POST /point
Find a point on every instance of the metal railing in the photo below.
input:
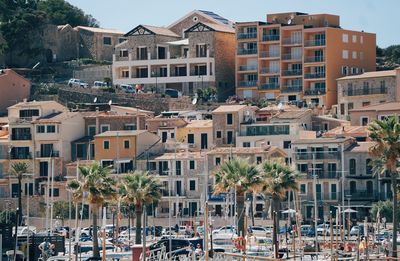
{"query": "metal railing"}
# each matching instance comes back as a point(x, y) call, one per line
point(314, 75)
point(292, 72)
point(366, 91)
point(247, 68)
point(292, 41)
point(270, 37)
point(266, 70)
point(266, 54)
point(19, 156)
point(246, 51)
point(315, 92)
point(26, 136)
point(292, 88)
point(289, 56)
point(320, 42)
point(314, 59)
point(247, 83)
point(47, 154)
point(269, 86)
point(317, 155)
point(247, 35)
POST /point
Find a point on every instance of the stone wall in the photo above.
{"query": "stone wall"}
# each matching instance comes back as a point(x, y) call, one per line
point(93, 73)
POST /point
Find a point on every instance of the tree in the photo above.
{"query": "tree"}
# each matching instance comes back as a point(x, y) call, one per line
point(97, 188)
point(385, 209)
point(240, 176)
point(386, 151)
point(19, 169)
point(277, 180)
point(140, 189)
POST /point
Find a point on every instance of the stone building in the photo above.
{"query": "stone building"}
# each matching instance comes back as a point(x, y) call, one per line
point(193, 53)
point(13, 88)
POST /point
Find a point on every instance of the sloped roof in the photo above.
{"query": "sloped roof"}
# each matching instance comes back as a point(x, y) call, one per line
point(229, 108)
point(370, 75)
point(121, 133)
point(294, 114)
point(56, 117)
point(242, 150)
point(150, 29)
point(350, 131)
point(200, 124)
point(207, 14)
point(361, 146)
point(212, 27)
point(99, 30)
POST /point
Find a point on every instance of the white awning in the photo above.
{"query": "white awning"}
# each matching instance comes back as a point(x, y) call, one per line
point(180, 42)
point(123, 161)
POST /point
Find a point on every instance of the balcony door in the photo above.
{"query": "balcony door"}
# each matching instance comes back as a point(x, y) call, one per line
point(46, 150)
point(204, 141)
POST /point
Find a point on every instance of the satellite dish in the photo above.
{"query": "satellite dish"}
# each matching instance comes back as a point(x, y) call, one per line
point(279, 106)
point(194, 101)
point(289, 21)
point(110, 102)
point(95, 99)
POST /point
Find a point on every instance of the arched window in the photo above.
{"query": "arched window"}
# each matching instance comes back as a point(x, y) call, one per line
point(353, 187)
point(368, 166)
point(370, 187)
point(352, 166)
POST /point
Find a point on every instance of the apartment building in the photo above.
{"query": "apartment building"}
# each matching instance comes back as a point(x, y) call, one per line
point(13, 88)
point(370, 88)
point(297, 57)
point(365, 115)
point(198, 134)
point(182, 174)
point(195, 52)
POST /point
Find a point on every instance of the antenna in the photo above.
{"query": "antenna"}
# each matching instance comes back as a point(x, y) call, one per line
point(194, 101)
point(110, 102)
point(95, 99)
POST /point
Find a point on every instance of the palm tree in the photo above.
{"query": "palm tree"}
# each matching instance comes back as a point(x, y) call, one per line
point(96, 188)
point(386, 150)
point(237, 174)
point(19, 169)
point(278, 179)
point(140, 189)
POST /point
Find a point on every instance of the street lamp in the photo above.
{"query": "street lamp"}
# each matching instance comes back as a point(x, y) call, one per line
point(348, 221)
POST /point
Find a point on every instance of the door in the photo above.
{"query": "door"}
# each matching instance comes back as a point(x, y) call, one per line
point(192, 208)
point(44, 168)
point(353, 187)
point(204, 141)
point(46, 150)
point(164, 136)
point(178, 187)
point(229, 135)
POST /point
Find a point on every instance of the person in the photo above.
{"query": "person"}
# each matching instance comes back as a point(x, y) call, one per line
point(385, 244)
point(46, 248)
point(198, 250)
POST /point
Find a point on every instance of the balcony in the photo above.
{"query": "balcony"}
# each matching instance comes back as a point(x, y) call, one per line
point(335, 155)
point(47, 154)
point(292, 88)
point(289, 56)
point(310, 43)
point(361, 195)
point(292, 41)
point(247, 84)
point(265, 54)
point(365, 91)
point(315, 92)
point(292, 72)
point(217, 198)
point(246, 51)
point(20, 156)
point(266, 130)
point(267, 70)
point(314, 59)
point(314, 75)
point(247, 68)
point(269, 86)
point(26, 136)
point(321, 174)
point(270, 37)
point(247, 36)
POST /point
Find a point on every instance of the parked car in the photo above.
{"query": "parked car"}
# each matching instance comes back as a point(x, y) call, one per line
point(304, 229)
point(258, 231)
point(357, 230)
point(173, 93)
point(176, 244)
point(77, 83)
point(99, 84)
point(127, 88)
point(322, 229)
point(224, 230)
point(311, 232)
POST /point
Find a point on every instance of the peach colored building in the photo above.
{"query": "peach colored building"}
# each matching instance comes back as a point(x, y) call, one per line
point(297, 57)
point(365, 115)
point(10, 80)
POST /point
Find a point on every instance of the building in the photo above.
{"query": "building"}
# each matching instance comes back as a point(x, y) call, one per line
point(13, 88)
point(365, 115)
point(198, 134)
point(297, 57)
point(227, 120)
point(165, 127)
point(370, 88)
point(195, 52)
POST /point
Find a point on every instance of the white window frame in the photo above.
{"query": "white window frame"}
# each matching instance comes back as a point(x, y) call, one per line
point(129, 143)
point(101, 127)
point(300, 188)
point(107, 36)
point(88, 129)
point(345, 54)
point(354, 38)
point(345, 38)
point(361, 39)
point(361, 119)
point(354, 55)
point(101, 161)
point(109, 145)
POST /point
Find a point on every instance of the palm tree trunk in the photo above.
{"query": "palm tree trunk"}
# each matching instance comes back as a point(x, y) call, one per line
point(394, 242)
point(19, 200)
point(240, 213)
point(275, 212)
point(96, 251)
point(139, 212)
point(266, 208)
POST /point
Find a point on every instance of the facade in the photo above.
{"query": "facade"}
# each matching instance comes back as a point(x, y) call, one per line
point(165, 127)
point(13, 88)
point(371, 88)
point(365, 115)
point(198, 134)
point(297, 57)
point(193, 53)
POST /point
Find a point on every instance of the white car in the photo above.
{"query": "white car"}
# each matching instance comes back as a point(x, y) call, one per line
point(259, 231)
point(224, 230)
point(127, 88)
point(77, 83)
point(322, 229)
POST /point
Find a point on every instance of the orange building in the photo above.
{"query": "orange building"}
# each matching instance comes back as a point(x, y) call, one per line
point(297, 57)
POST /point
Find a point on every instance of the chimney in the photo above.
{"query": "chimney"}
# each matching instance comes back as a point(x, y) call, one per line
point(97, 121)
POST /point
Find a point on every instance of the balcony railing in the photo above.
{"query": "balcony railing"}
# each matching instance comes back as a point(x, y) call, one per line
point(366, 91)
point(246, 51)
point(247, 35)
point(292, 88)
point(26, 136)
point(315, 92)
point(21, 156)
point(47, 154)
point(320, 42)
point(270, 37)
point(292, 72)
point(267, 70)
point(247, 68)
point(314, 75)
point(246, 84)
point(292, 41)
point(265, 54)
point(269, 86)
point(318, 155)
point(289, 56)
point(361, 195)
point(314, 59)
point(322, 174)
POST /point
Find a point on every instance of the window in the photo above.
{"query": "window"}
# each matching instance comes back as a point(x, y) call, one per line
point(192, 185)
point(123, 53)
point(354, 38)
point(106, 163)
point(217, 161)
point(361, 39)
point(345, 70)
point(350, 106)
point(107, 40)
point(333, 192)
point(106, 144)
point(229, 138)
point(345, 38)
point(141, 53)
point(126, 144)
point(303, 189)
point(352, 166)
point(125, 74)
point(191, 138)
point(120, 40)
point(259, 159)
point(192, 164)
point(91, 130)
point(172, 135)
point(178, 167)
point(51, 128)
point(201, 50)
point(130, 126)
point(354, 55)
point(40, 129)
point(287, 144)
point(219, 134)
point(367, 103)
point(368, 166)
point(246, 144)
point(56, 192)
point(345, 54)
point(105, 128)
point(229, 119)
point(302, 168)
point(364, 121)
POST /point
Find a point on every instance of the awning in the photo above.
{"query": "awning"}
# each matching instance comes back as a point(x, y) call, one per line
point(180, 42)
point(123, 161)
